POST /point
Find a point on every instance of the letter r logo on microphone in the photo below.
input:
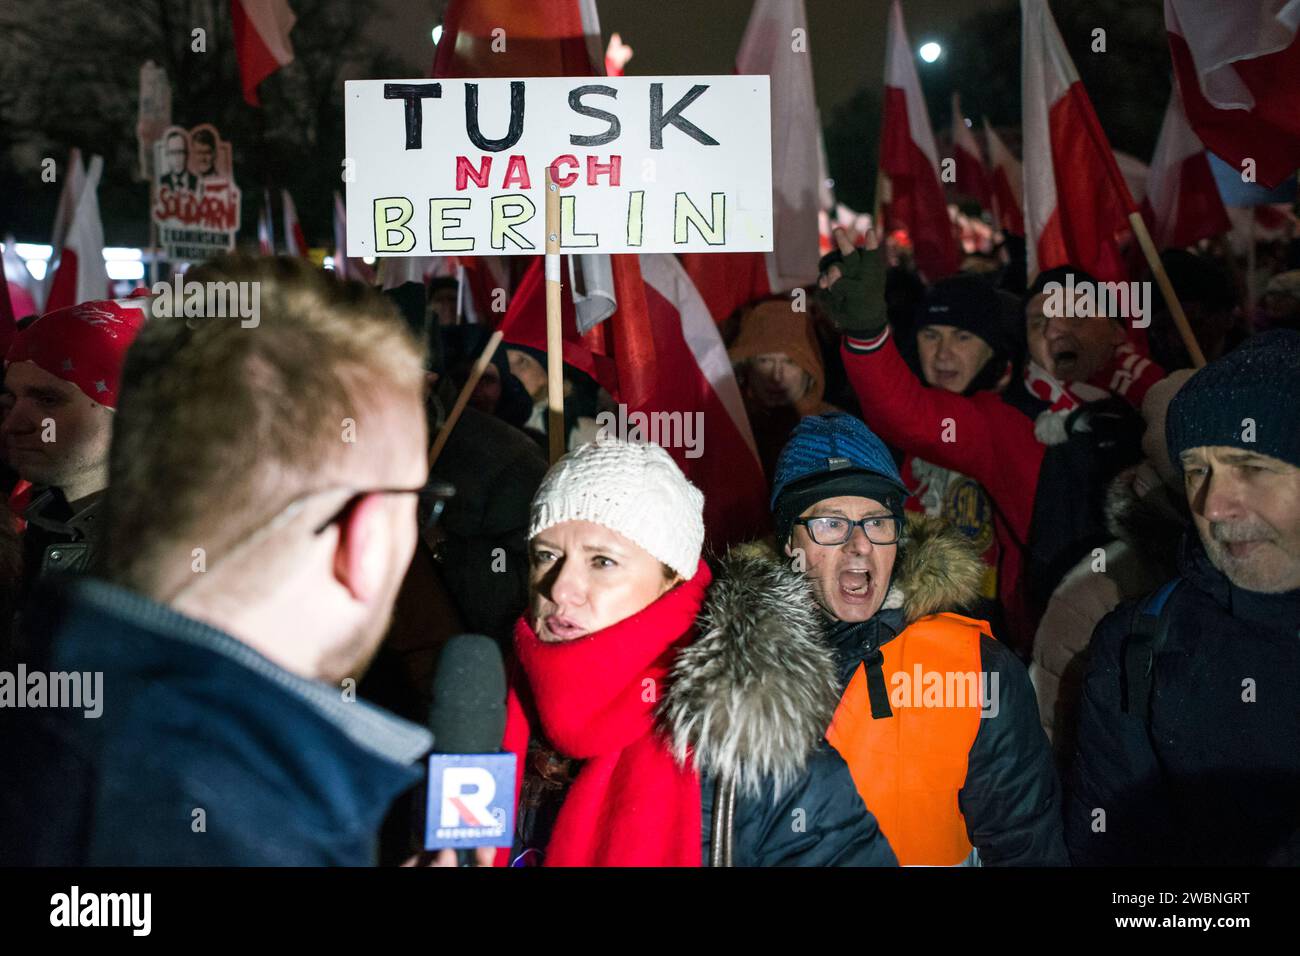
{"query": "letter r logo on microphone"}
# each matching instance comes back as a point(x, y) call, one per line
point(467, 794)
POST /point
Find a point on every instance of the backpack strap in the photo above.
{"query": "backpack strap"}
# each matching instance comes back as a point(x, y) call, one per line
point(1147, 632)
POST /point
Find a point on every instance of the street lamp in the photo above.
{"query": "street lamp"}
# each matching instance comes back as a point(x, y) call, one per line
point(929, 52)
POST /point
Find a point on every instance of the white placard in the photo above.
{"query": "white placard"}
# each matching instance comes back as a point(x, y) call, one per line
point(645, 164)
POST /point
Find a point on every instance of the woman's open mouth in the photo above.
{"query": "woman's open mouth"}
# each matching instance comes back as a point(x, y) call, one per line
point(562, 627)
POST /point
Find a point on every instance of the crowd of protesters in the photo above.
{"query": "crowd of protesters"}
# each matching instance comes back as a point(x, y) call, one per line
point(1055, 513)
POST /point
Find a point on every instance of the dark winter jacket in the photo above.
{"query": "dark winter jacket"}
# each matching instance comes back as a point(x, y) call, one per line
point(750, 699)
point(204, 752)
point(1011, 799)
point(1213, 776)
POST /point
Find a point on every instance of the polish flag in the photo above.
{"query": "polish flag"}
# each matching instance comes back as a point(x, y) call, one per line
point(265, 230)
point(511, 39)
point(912, 196)
point(1181, 193)
point(1006, 184)
point(661, 352)
point(972, 178)
point(1238, 69)
point(1076, 202)
point(79, 273)
point(776, 44)
point(74, 179)
point(262, 44)
point(344, 267)
point(730, 280)
point(295, 243)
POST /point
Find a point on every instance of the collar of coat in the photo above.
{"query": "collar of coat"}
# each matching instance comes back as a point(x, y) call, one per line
point(753, 694)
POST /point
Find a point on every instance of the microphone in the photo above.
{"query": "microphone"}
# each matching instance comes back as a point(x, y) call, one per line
point(471, 791)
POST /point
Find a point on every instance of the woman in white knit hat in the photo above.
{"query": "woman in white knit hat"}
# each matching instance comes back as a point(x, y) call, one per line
point(670, 700)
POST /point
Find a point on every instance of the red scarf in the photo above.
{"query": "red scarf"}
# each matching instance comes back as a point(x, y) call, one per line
point(594, 699)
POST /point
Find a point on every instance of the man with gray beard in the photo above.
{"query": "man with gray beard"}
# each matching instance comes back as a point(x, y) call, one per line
point(1189, 734)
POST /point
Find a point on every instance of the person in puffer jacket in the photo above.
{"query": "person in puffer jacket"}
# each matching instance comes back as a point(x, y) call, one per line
point(937, 718)
point(695, 703)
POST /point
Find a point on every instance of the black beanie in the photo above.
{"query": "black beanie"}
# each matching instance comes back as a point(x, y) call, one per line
point(1246, 399)
point(970, 303)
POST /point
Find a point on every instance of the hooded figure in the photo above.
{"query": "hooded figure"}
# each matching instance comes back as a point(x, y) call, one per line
point(696, 704)
point(780, 372)
point(936, 719)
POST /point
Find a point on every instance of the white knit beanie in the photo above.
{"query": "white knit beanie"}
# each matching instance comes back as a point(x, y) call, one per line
point(632, 488)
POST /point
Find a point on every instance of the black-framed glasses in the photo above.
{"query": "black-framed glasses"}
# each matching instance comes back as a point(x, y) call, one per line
point(832, 530)
point(432, 500)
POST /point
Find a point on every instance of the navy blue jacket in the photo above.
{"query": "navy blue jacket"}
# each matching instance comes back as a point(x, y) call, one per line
point(1214, 776)
point(205, 753)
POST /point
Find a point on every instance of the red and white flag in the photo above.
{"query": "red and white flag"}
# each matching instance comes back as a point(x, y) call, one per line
point(344, 267)
point(265, 229)
point(912, 197)
point(1076, 202)
point(1181, 192)
point(262, 43)
point(972, 178)
point(295, 243)
point(79, 272)
point(1238, 69)
point(1006, 184)
point(776, 44)
point(510, 38)
point(661, 355)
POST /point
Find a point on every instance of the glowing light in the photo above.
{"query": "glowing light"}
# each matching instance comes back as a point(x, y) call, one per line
point(930, 52)
point(437, 34)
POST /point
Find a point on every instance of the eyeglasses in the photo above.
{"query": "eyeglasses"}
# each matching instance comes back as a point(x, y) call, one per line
point(830, 531)
point(432, 500)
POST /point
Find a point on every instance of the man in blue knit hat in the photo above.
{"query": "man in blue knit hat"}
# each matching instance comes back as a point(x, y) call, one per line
point(937, 719)
point(1189, 729)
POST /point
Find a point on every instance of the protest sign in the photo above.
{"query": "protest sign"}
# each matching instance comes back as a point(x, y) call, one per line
point(196, 201)
point(644, 164)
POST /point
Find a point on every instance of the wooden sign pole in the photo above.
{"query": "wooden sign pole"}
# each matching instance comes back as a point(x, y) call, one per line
point(554, 342)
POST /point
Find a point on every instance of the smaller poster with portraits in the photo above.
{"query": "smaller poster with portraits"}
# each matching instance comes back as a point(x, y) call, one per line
point(196, 201)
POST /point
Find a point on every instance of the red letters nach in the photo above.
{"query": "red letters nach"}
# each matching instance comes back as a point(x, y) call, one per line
point(516, 173)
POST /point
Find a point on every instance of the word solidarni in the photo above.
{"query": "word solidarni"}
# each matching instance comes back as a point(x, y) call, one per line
point(665, 429)
point(103, 909)
point(208, 300)
point(72, 689)
point(1089, 300)
point(923, 688)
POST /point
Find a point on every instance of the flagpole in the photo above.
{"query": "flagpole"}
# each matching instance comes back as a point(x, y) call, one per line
point(1167, 289)
point(462, 399)
point(554, 342)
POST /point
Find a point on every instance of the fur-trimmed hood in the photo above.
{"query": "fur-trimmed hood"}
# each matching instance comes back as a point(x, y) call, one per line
point(753, 694)
point(756, 690)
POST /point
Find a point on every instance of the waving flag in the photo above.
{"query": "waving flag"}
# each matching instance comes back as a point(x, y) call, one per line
point(1238, 69)
point(912, 197)
point(972, 178)
point(1006, 184)
point(295, 243)
point(1181, 192)
point(262, 44)
point(661, 355)
point(1076, 202)
point(79, 273)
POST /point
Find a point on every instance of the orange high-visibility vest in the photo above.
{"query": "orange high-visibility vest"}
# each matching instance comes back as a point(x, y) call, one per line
point(909, 767)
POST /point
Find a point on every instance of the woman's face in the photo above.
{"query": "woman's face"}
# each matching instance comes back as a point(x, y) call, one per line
point(584, 577)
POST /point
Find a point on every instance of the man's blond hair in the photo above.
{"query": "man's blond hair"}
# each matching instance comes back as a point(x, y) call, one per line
point(219, 426)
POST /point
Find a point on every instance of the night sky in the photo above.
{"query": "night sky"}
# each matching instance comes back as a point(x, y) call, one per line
point(847, 39)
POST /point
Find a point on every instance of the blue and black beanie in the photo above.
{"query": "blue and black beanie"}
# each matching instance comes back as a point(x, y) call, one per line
point(828, 456)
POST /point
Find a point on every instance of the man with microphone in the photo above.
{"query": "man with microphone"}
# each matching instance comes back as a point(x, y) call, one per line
point(261, 514)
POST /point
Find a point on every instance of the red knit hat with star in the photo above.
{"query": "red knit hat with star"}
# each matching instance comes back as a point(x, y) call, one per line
point(83, 344)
